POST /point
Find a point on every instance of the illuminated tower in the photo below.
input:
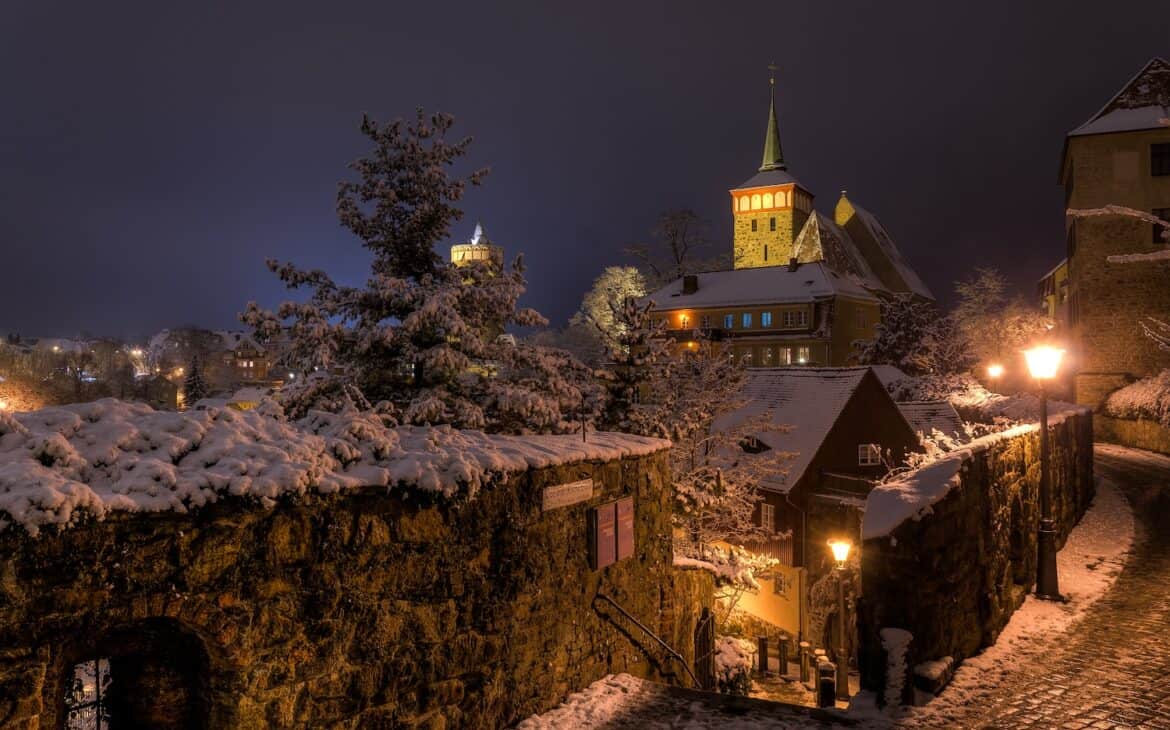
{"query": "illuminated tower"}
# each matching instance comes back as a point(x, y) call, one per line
point(479, 248)
point(769, 209)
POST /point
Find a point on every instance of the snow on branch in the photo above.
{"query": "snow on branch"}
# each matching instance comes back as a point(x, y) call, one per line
point(1141, 215)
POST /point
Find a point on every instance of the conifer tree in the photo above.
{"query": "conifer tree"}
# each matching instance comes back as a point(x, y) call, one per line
point(194, 386)
point(421, 337)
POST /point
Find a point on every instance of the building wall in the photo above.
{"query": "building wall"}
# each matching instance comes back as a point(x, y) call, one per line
point(1108, 301)
point(355, 610)
point(764, 246)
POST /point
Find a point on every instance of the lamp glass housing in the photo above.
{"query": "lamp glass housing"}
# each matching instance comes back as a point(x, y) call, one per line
point(1043, 361)
point(840, 550)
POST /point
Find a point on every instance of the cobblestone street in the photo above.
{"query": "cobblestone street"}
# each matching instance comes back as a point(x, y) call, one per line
point(1112, 671)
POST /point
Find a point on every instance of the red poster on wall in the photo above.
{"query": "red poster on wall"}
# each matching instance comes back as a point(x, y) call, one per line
point(625, 528)
point(602, 535)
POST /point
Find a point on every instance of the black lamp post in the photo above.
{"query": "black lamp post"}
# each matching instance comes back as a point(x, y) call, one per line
point(840, 550)
point(1043, 362)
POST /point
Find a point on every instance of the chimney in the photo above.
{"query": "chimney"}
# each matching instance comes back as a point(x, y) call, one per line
point(793, 264)
point(690, 284)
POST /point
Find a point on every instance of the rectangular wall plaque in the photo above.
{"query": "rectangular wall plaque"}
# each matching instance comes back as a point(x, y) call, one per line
point(625, 528)
point(602, 535)
point(563, 495)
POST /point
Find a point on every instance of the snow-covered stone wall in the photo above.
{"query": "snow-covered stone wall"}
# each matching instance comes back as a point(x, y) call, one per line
point(326, 603)
point(950, 550)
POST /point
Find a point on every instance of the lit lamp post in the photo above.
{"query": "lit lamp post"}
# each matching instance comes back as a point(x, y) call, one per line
point(1043, 362)
point(840, 550)
point(995, 371)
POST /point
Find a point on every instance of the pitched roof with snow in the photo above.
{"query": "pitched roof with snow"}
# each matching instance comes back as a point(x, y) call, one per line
point(757, 286)
point(807, 400)
point(820, 239)
point(928, 416)
point(891, 252)
point(1143, 103)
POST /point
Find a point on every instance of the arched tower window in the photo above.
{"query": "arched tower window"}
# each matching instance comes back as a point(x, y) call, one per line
point(756, 201)
point(767, 200)
point(745, 203)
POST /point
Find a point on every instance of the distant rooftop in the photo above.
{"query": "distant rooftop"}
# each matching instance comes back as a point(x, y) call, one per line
point(762, 285)
point(1143, 103)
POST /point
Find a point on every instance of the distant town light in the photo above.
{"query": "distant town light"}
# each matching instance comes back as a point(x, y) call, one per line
point(56, 348)
point(136, 352)
point(995, 370)
point(292, 376)
point(840, 548)
point(1043, 361)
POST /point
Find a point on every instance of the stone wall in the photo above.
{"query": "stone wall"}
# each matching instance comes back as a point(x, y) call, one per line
point(364, 609)
point(953, 578)
point(1138, 433)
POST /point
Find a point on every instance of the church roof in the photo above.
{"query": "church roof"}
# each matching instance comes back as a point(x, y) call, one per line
point(766, 178)
point(759, 286)
point(820, 239)
point(891, 253)
point(773, 153)
point(1143, 103)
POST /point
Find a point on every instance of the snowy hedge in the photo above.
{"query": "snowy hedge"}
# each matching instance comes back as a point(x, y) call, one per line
point(1147, 398)
point(92, 458)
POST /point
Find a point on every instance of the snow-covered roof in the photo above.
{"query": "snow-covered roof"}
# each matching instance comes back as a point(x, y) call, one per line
point(1143, 103)
point(925, 417)
point(767, 178)
point(762, 285)
point(806, 400)
point(891, 252)
point(105, 456)
point(822, 239)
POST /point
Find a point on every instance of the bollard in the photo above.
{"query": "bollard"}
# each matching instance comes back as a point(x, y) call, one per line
point(826, 684)
point(762, 650)
point(805, 652)
point(783, 647)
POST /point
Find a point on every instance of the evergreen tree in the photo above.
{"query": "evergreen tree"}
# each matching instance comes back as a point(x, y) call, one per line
point(902, 338)
point(194, 386)
point(421, 336)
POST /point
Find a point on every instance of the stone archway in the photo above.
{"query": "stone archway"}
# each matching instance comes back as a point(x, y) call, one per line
point(149, 674)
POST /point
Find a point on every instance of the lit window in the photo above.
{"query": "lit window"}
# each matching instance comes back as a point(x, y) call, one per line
point(767, 517)
point(728, 321)
point(756, 201)
point(747, 319)
point(869, 455)
point(786, 355)
point(802, 355)
point(767, 200)
point(767, 356)
point(766, 319)
point(745, 203)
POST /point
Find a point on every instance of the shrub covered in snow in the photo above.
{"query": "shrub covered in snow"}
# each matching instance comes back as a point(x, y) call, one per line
point(1147, 398)
point(733, 566)
point(734, 659)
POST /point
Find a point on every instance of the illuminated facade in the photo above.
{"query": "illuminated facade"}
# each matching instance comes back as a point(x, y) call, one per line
point(804, 286)
point(478, 248)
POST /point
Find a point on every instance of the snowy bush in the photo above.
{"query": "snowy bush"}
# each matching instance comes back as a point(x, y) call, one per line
point(1148, 398)
point(733, 566)
point(734, 659)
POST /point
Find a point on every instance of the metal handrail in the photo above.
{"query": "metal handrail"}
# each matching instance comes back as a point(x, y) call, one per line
point(669, 650)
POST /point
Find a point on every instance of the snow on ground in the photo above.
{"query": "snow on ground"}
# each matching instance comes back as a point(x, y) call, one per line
point(1146, 398)
point(58, 463)
point(1088, 565)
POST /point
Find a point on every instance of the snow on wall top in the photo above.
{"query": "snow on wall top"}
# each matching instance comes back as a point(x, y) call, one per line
point(807, 400)
point(95, 458)
point(1143, 103)
point(911, 495)
point(763, 285)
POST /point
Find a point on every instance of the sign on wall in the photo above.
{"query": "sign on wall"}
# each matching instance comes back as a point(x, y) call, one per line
point(563, 495)
point(603, 535)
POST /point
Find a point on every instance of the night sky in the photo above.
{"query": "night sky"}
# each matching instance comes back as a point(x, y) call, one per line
point(152, 155)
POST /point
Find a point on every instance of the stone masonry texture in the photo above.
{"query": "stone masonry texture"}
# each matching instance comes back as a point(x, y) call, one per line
point(953, 578)
point(362, 610)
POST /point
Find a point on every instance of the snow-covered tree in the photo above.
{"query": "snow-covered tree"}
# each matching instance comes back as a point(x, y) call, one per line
point(679, 245)
point(901, 337)
point(997, 325)
point(421, 335)
point(609, 293)
point(194, 386)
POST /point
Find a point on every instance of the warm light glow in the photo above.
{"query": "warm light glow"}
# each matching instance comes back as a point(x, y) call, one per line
point(1043, 361)
point(995, 370)
point(56, 348)
point(840, 550)
point(3, 405)
point(136, 352)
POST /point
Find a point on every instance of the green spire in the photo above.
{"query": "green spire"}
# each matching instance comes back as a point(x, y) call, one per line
point(773, 154)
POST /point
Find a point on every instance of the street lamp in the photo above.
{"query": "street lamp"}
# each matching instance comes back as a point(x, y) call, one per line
point(995, 370)
point(1043, 362)
point(840, 549)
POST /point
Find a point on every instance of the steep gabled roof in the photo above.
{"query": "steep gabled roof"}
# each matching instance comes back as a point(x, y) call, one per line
point(759, 286)
point(905, 278)
point(820, 239)
point(807, 400)
point(1143, 103)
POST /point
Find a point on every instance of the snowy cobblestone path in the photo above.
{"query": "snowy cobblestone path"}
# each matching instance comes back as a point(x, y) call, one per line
point(1113, 671)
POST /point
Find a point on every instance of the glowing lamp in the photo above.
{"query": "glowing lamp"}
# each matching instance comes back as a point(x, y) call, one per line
point(995, 370)
point(840, 550)
point(1043, 361)
point(3, 405)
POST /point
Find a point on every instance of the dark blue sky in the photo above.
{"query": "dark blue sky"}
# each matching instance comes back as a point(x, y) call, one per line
point(153, 154)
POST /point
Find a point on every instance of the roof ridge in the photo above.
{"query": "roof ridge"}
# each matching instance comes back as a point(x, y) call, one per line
point(1124, 87)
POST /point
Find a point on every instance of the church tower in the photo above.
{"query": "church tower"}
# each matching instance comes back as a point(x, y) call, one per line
point(479, 248)
point(769, 209)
